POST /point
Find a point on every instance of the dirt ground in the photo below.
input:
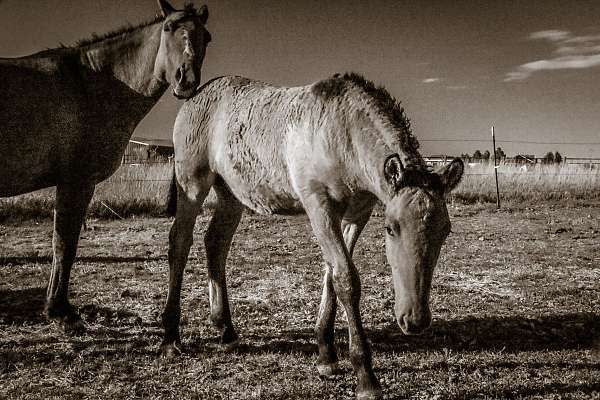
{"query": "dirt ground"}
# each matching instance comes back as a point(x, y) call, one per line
point(515, 299)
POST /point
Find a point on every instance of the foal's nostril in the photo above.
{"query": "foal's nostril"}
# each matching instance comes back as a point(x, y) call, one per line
point(414, 326)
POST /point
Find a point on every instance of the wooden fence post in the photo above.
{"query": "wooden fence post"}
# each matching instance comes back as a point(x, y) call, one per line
point(495, 169)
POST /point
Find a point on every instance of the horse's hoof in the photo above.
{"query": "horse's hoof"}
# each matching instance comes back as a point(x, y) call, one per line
point(69, 322)
point(371, 394)
point(231, 346)
point(328, 369)
point(170, 351)
point(73, 327)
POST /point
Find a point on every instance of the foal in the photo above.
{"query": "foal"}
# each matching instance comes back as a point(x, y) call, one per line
point(331, 149)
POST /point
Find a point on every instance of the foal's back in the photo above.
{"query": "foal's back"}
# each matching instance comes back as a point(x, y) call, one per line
point(260, 139)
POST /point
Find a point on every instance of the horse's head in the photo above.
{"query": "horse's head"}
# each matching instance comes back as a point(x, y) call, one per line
point(182, 48)
point(417, 223)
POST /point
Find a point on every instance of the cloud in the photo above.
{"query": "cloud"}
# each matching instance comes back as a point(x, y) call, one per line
point(552, 35)
point(431, 80)
point(570, 52)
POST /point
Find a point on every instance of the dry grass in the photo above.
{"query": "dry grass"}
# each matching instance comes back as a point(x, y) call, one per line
point(137, 190)
point(528, 184)
point(515, 301)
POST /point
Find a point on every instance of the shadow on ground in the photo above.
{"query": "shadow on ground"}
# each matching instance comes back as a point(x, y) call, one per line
point(509, 334)
point(26, 307)
point(22, 306)
point(513, 334)
point(47, 259)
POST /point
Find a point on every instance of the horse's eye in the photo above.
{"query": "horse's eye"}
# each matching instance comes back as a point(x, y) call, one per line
point(389, 230)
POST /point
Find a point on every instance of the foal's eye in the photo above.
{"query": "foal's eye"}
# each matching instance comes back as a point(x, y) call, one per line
point(389, 230)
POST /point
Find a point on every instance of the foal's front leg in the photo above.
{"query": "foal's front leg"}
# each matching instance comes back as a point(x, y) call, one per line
point(346, 284)
point(71, 204)
point(355, 218)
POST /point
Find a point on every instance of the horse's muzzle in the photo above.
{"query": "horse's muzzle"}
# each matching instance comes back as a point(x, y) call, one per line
point(187, 83)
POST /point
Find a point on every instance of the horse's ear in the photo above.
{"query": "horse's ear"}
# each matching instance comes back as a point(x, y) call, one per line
point(450, 174)
point(165, 8)
point(203, 13)
point(392, 170)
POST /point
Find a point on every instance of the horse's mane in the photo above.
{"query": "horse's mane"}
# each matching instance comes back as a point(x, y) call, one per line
point(383, 101)
point(189, 11)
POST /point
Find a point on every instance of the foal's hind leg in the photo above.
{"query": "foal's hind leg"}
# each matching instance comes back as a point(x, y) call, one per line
point(217, 241)
point(71, 204)
point(180, 241)
point(355, 218)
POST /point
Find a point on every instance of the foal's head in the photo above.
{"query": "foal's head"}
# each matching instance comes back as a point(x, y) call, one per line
point(417, 223)
point(182, 48)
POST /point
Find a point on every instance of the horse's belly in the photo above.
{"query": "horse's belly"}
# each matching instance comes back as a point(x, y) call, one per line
point(27, 161)
point(266, 197)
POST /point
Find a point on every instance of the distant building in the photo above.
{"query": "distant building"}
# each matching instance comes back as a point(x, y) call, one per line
point(437, 160)
point(525, 159)
point(146, 150)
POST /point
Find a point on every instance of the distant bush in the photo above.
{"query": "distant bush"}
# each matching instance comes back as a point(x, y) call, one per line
point(141, 190)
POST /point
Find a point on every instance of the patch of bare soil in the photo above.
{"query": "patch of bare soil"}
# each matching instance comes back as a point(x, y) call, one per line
point(515, 301)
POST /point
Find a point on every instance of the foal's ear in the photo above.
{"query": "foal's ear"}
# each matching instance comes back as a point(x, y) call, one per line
point(165, 8)
point(203, 13)
point(392, 170)
point(450, 174)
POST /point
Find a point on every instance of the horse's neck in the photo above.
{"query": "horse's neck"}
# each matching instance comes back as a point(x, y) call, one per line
point(128, 60)
point(368, 160)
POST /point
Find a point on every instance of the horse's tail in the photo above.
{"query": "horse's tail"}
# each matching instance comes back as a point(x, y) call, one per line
point(172, 197)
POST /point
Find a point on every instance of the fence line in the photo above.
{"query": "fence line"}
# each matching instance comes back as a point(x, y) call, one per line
point(512, 141)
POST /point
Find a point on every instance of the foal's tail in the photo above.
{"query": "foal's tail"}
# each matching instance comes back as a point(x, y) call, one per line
point(172, 197)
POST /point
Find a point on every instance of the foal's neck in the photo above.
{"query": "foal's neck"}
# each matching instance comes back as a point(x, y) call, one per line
point(129, 58)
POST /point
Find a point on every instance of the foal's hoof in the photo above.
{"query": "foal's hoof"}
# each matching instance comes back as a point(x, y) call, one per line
point(328, 369)
point(371, 394)
point(170, 350)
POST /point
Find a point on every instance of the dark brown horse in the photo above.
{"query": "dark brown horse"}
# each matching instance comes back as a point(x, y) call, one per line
point(66, 116)
point(331, 149)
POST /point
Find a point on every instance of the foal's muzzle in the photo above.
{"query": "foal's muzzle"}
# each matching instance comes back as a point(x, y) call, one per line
point(412, 323)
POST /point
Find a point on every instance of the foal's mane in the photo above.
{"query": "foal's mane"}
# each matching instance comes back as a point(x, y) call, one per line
point(384, 103)
point(189, 11)
point(421, 177)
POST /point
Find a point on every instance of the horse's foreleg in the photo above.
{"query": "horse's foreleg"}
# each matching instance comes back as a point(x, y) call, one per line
point(355, 218)
point(71, 204)
point(217, 241)
point(180, 241)
point(346, 284)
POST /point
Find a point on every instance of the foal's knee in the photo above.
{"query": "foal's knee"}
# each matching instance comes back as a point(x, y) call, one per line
point(346, 283)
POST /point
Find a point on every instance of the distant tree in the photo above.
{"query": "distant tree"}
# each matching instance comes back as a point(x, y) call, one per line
point(477, 155)
point(486, 155)
point(549, 158)
point(500, 155)
point(558, 157)
point(466, 157)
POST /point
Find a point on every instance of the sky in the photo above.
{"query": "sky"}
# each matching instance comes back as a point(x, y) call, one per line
point(530, 68)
